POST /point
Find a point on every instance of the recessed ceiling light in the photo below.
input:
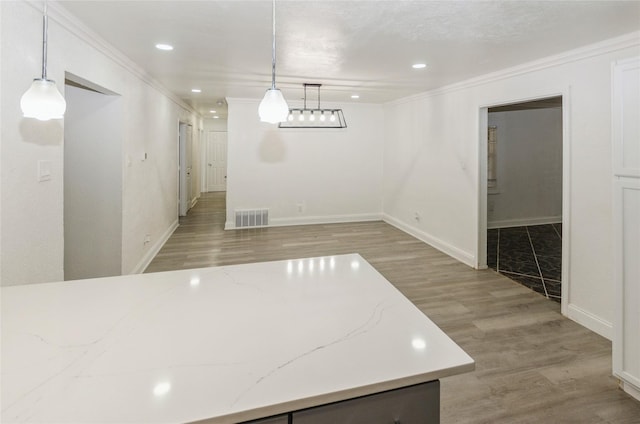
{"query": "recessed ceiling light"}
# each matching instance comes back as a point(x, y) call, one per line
point(355, 96)
point(419, 65)
point(212, 111)
point(164, 47)
point(216, 117)
point(196, 90)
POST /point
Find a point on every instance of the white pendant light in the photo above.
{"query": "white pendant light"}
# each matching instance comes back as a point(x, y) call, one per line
point(42, 100)
point(273, 107)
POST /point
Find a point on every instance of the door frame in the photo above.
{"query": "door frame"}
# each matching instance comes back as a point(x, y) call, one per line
point(483, 124)
point(183, 189)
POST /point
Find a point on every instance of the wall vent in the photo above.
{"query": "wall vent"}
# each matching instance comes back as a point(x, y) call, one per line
point(248, 218)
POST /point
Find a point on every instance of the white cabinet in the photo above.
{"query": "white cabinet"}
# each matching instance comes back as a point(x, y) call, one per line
point(626, 207)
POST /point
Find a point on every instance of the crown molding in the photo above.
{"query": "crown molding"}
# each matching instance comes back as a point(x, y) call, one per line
point(69, 22)
point(241, 100)
point(603, 47)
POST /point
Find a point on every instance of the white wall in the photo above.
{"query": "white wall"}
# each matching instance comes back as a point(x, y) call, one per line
point(1, 135)
point(92, 184)
point(32, 228)
point(432, 157)
point(31, 248)
point(529, 172)
point(306, 175)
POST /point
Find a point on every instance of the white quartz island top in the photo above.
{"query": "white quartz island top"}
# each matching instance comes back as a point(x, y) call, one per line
point(222, 344)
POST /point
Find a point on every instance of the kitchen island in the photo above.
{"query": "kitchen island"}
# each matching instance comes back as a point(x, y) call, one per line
point(305, 340)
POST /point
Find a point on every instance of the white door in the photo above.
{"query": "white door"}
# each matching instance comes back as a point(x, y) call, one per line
point(626, 216)
point(216, 161)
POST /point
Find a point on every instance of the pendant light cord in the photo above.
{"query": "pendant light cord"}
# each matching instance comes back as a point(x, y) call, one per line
point(273, 51)
point(45, 30)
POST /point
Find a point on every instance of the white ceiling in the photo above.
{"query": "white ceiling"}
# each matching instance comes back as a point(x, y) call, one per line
point(351, 47)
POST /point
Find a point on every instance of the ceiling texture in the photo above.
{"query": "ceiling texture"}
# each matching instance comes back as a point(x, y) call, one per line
point(351, 47)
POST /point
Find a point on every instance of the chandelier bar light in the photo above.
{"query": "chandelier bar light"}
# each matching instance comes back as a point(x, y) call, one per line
point(273, 107)
point(318, 117)
point(42, 100)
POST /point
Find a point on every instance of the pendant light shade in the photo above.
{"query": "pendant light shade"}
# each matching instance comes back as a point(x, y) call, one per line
point(273, 107)
point(43, 101)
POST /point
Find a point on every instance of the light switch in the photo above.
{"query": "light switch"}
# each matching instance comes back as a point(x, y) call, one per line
point(44, 170)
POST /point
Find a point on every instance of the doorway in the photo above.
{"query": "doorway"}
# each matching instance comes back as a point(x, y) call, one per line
point(524, 193)
point(93, 136)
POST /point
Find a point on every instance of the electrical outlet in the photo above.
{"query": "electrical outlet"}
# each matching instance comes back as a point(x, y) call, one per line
point(416, 216)
point(300, 207)
point(147, 238)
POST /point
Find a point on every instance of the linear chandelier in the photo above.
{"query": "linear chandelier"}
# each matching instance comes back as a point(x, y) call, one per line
point(318, 117)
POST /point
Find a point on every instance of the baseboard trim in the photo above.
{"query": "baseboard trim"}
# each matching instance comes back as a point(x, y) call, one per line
point(630, 389)
point(506, 223)
point(590, 321)
point(153, 251)
point(456, 253)
point(315, 220)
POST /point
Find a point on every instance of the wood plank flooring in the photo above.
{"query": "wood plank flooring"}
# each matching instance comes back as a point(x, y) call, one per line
point(532, 364)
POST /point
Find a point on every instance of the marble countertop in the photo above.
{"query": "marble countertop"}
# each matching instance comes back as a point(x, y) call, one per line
point(222, 344)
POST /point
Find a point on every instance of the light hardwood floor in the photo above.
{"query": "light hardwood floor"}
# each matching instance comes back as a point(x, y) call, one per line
point(532, 364)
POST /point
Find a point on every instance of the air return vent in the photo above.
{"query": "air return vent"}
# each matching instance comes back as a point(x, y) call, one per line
point(248, 218)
